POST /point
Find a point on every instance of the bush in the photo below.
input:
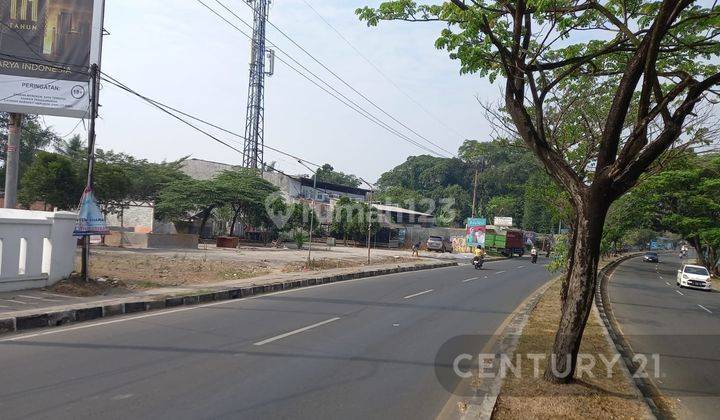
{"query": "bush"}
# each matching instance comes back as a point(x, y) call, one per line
point(299, 237)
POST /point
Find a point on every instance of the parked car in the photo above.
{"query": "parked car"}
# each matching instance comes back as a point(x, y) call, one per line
point(651, 257)
point(694, 276)
point(439, 243)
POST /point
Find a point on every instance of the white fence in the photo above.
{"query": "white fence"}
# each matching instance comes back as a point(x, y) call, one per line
point(37, 248)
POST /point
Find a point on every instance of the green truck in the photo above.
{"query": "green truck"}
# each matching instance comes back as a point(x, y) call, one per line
point(507, 242)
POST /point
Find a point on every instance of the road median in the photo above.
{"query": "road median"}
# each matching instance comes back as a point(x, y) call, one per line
point(604, 390)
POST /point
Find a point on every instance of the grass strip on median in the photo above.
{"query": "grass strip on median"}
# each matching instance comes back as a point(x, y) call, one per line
point(531, 397)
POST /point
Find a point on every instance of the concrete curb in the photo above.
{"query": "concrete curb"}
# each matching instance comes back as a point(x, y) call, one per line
point(84, 312)
point(651, 395)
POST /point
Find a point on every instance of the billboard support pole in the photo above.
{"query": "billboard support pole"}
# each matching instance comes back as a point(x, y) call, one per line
point(12, 162)
point(94, 70)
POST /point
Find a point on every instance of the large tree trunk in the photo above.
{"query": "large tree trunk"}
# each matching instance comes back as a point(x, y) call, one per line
point(578, 291)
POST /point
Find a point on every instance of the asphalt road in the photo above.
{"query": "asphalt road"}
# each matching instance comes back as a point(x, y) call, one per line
point(682, 326)
point(356, 349)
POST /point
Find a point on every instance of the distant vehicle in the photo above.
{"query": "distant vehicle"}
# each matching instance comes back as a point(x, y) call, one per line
point(439, 243)
point(694, 276)
point(507, 242)
point(651, 257)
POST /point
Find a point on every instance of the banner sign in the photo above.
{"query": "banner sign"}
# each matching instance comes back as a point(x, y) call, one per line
point(503, 221)
point(46, 49)
point(90, 219)
point(475, 231)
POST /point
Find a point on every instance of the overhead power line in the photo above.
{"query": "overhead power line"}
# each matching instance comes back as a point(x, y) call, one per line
point(172, 111)
point(328, 88)
point(380, 71)
point(343, 81)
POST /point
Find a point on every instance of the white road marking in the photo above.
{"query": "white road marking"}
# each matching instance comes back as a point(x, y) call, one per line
point(186, 308)
point(667, 283)
point(500, 272)
point(470, 279)
point(706, 309)
point(485, 277)
point(14, 301)
point(38, 298)
point(299, 330)
point(661, 278)
point(520, 266)
point(679, 292)
point(56, 295)
point(418, 294)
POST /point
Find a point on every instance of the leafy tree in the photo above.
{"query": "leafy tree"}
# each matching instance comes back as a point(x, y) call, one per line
point(502, 206)
point(52, 179)
point(33, 138)
point(684, 199)
point(188, 199)
point(301, 217)
point(350, 219)
point(327, 173)
point(647, 69)
point(246, 193)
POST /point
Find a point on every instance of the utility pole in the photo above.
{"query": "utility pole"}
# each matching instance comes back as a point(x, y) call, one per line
point(369, 217)
point(12, 162)
point(312, 210)
point(475, 180)
point(255, 115)
point(94, 82)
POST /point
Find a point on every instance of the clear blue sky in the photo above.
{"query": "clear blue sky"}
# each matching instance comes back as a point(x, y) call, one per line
point(179, 53)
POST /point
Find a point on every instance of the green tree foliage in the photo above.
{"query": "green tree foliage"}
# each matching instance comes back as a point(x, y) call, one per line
point(423, 183)
point(52, 179)
point(683, 199)
point(597, 111)
point(186, 199)
point(302, 217)
point(33, 138)
point(327, 173)
point(246, 193)
point(350, 220)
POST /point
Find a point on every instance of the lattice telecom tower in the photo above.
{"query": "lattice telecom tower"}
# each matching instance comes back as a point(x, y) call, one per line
point(255, 116)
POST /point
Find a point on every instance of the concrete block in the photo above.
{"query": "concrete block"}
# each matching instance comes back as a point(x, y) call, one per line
point(88, 314)
point(234, 293)
point(256, 290)
point(247, 291)
point(173, 301)
point(7, 325)
point(132, 307)
point(61, 318)
point(155, 304)
point(110, 310)
point(224, 295)
point(191, 300)
point(206, 297)
point(31, 321)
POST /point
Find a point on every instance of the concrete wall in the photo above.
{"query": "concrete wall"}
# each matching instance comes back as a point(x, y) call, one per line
point(37, 248)
point(138, 216)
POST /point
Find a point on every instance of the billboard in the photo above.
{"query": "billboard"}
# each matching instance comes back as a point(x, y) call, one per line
point(475, 231)
point(46, 49)
point(503, 221)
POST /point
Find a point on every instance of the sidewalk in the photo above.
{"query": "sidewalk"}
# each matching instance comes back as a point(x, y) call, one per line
point(29, 309)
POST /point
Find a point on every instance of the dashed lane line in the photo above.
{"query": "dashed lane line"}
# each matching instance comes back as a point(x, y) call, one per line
point(419, 294)
point(706, 309)
point(470, 279)
point(500, 272)
point(298, 331)
point(679, 292)
point(38, 298)
point(520, 266)
point(15, 301)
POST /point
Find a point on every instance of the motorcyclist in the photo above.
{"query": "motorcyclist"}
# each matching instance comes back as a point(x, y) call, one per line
point(534, 254)
point(479, 254)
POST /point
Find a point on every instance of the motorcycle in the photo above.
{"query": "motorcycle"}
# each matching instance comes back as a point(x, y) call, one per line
point(478, 263)
point(534, 258)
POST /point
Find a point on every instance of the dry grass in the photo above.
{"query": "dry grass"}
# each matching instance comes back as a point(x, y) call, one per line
point(598, 397)
point(330, 263)
point(152, 271)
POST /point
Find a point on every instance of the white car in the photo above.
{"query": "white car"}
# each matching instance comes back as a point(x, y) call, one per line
point(695, 277)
